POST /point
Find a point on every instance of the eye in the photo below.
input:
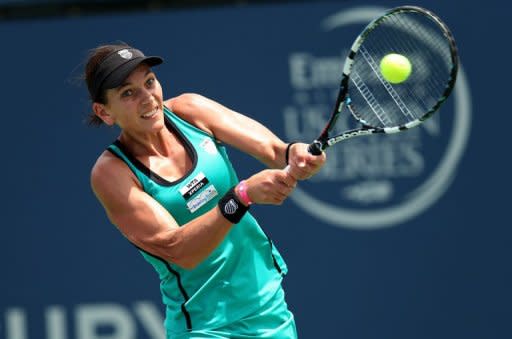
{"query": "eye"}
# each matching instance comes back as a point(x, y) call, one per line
point(126, 93)
point(150, 82)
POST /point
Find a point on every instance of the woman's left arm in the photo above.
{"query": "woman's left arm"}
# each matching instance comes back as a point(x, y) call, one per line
point(245, 134)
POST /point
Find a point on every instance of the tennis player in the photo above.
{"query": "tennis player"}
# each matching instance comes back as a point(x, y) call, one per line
point(169, 187)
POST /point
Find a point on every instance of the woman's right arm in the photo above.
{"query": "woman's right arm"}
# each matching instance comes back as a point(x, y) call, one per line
point(151, 227)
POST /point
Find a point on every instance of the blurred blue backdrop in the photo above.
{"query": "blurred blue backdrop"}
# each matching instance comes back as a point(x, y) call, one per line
point(412, 240)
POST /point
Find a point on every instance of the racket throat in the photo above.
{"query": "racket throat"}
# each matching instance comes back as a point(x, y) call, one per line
point(316, 147)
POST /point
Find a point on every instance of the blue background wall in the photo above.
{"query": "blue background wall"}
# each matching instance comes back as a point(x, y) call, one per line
point(437, 268)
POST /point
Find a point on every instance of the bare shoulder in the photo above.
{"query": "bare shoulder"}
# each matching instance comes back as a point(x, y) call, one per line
point(186, 102)
point(195, 109)
point(110, 171)
point(105, 166)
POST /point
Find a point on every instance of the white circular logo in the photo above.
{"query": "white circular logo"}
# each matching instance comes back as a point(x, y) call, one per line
point(125, 54)
point(381, 181)
point(209, 146)
point(230, 207)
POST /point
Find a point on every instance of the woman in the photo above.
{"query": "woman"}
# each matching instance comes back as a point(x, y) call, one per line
point(167, 184)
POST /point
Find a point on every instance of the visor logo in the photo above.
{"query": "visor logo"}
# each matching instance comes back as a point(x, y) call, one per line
point(125, 54)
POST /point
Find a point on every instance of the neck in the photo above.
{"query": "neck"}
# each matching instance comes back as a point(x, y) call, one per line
point(159, 143)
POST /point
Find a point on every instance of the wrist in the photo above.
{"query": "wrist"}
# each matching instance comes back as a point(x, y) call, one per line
point(231, 207)
point(241, 191)
point(287, 152)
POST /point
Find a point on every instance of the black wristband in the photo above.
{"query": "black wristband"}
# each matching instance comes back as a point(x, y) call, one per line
point(287, 154)
point(231, 208)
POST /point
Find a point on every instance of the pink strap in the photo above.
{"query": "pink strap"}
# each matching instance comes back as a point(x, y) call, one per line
point(242, 192)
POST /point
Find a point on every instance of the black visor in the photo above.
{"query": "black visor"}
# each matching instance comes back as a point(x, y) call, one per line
point(116, 67)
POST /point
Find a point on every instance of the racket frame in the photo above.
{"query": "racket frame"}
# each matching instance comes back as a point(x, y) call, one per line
point(324, 140)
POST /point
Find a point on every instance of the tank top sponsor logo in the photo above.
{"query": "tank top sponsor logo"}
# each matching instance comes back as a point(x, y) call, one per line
point(197, 192)
point(208, 146)
point(202, 198)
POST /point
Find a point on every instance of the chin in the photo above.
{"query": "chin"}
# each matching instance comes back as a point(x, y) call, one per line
point(160, 121)
point(158, 125)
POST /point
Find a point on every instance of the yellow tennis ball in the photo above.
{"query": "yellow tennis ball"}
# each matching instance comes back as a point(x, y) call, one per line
point(395, 68)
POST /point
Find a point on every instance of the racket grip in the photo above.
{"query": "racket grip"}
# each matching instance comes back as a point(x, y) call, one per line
point(315, 148)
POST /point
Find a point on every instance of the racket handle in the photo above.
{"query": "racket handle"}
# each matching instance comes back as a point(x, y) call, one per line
point(315, 148)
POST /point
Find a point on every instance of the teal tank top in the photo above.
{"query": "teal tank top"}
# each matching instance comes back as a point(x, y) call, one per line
point(242, 273)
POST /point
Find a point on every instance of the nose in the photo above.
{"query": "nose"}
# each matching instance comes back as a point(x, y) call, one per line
point(147, 96)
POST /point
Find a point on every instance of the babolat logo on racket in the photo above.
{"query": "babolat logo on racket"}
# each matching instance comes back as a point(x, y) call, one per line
point(380, 180)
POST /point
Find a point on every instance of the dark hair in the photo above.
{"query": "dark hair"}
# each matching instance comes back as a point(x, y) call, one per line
point(96, 56)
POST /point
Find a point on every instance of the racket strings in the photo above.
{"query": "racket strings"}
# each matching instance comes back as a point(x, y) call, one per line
point(370, 99)
point(386, 121)
point(435, 66)
point(437, 53)
point(431, 82)
point(381, 104)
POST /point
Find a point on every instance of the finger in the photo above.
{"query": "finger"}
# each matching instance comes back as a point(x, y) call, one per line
point(301, 160)
point(283, 188)
point(291, 171)
point(311, 159)
point(290, 181)
point(283, 194)
point(302, 173)
point(317, 159)
point(288, 177)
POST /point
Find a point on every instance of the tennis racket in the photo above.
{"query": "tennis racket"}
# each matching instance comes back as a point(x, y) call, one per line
point(379, 105)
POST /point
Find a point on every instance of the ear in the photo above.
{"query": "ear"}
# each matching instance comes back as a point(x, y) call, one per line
point(101, 112)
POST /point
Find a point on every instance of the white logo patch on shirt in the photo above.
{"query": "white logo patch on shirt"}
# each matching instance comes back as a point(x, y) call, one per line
point(194, 185)
point(197, 192)
point(209, 146)
point(202, 198)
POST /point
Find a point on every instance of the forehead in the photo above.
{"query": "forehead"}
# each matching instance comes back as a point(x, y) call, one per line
point(140, 71)
point(138, 75)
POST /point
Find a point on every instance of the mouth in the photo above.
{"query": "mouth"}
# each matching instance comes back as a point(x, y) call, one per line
point(151, 114)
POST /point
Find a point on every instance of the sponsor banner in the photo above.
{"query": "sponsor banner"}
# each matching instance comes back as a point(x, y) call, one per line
point(142, 319)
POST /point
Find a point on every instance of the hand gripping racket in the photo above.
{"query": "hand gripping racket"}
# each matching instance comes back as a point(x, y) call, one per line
point(384, 107)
